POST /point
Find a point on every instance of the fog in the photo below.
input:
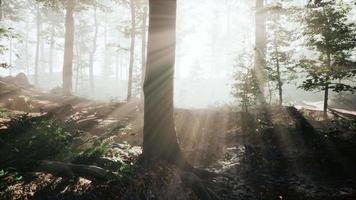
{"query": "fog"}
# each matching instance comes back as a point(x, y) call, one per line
point(210, 36)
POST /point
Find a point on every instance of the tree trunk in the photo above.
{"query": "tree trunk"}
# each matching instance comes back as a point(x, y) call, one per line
point(260, 47)
point(159, 136)
point(144, 40)
point(0, 10)
point(132, 49)
point(10, 56)
point(280, 84)
point(92, 54)
point(117, 66)
point(326, 89)
point(26, 52)
point(68, 49)
point(37, 44)
point(50, 59)
point(326, 98)
point(42, 69)
point(106, 67)
point(77, 65)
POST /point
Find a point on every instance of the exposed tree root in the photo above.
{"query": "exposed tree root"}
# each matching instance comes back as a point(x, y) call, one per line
point(190, 176)
point(65, 170)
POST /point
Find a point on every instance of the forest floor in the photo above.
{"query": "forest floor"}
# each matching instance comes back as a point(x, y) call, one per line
point(49, 145)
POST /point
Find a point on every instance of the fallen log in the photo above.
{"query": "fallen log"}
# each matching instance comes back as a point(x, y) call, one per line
point(343, 115)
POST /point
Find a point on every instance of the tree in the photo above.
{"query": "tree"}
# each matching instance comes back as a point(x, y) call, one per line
point(9, 10)
point(38, 22)
point(7, 34)
point(159, 135)
point(144, 38)
point(0, 10)
point(328, 32)
point(278, 57)
point(260, 46)
point(92, 52)
point(82, 52)
point(53, 29)
point(69, 6)
point(68, 48)
point(246, 86)
point(132, 48)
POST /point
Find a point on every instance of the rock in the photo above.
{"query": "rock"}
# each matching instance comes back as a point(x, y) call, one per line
point(20, 80)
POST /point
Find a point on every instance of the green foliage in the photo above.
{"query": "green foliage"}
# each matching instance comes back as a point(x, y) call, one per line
point(329, 33)
point(3, 112)
point(62, 4)
point(12, 9)
point(37, 138)
point(2, 173)
point(279, 53)
point(96, 150)
point(245, 87)
point(6, 33)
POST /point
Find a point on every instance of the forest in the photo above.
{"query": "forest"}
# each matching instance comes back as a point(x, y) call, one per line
point(177, 99)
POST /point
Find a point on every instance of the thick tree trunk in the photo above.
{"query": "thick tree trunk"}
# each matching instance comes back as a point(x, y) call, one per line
point(160, 140)
point(260, 47)
point(132, 49)
point(37, 45)
point(68, 49)
point(92, 54)
point(144, 40)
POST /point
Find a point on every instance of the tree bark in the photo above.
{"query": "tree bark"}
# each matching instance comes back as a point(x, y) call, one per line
point(159, 136)
point(68, 49)
point(37, 44)
point(92, 54)
point(326, 89)
point(132, 49)
point(326, 99)
point(144, 40)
